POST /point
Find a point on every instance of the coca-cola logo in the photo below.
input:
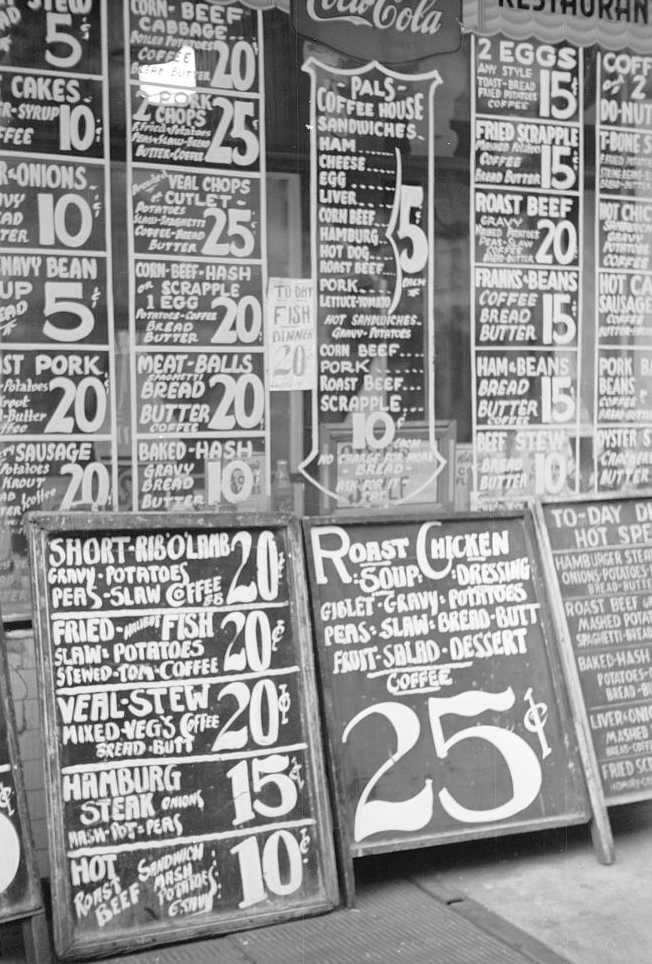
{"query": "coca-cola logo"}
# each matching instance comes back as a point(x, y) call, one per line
point(404, 16)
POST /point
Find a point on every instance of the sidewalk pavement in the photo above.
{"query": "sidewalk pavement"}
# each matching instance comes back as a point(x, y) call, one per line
point(530, 899)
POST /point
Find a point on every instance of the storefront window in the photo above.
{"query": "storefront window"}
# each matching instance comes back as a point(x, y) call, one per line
point(332, 268)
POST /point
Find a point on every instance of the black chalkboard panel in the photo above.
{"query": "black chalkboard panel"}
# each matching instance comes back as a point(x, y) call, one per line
point(444, 700)
point(20, 892)
point(186, 789)
point(600, 570)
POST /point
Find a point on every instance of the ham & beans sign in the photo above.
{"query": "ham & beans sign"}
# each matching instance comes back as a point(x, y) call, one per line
point(446, 712)
point(185, 789)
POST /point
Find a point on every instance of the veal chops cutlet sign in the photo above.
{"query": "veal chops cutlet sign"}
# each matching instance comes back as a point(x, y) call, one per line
point(391, 31)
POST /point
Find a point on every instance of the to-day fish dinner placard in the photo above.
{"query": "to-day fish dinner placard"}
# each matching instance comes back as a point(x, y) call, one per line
point(185, 788)
point(446, 713)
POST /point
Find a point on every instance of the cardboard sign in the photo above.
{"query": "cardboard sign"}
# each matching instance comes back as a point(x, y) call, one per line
point(599, 553)
point(185, 785)
point(394, 33)
point(446, 712)
point(20, 894)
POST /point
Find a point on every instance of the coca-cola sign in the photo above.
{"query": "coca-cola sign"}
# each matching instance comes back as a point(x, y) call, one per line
point(390, 31)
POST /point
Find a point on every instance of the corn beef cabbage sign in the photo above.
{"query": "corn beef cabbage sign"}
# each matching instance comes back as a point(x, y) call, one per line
point(390, 31)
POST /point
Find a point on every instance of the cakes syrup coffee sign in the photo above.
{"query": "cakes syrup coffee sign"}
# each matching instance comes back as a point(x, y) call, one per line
point(391, 31)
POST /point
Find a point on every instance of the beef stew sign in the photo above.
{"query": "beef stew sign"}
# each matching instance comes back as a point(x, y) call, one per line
point(445, 705)
point(185, 785)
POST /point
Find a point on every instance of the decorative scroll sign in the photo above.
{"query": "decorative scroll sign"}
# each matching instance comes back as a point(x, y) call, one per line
point(584, 22)
point(372, 238)
point(185, 788)
point(57, 445)
point(196, 161)
point(394, 32)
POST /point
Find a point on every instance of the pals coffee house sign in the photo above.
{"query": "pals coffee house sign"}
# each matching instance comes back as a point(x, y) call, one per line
point(390, 31)
point(609, 23)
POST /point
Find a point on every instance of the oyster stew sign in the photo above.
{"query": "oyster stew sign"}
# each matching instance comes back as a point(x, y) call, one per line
point(391, 31)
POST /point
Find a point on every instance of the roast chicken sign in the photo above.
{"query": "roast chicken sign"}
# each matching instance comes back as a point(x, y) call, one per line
point(390, 31)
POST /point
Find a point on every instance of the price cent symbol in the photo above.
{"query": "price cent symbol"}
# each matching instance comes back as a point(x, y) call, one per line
point(535, 720)
point(284, 703)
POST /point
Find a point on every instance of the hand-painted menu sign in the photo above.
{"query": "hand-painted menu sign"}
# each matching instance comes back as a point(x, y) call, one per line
point(623, 348)
point(19, 888)
point(57, 438)
point(393, 33)
point(185, 786)
point(196, 163)
point(445, 713)
point(602, 550)
point(372, 233)
point(526, 259)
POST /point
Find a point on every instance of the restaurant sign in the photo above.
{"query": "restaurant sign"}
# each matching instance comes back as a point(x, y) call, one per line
point(610, 23)
point(389, 31)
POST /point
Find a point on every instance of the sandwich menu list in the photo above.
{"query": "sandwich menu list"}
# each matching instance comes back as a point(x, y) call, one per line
point(372, 243)
point(185, 785)
point(196, 199)
point(56, 423)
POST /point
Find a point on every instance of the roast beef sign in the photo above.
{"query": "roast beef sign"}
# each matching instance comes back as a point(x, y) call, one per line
point(390, 31)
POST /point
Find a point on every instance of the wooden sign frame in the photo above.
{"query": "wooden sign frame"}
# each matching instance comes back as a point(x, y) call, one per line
point(563, 633)
point(69, 942)
point(589, 806)
point(29, 909)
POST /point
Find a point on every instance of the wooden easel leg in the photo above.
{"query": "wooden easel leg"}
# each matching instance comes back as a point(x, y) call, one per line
point(37, 940)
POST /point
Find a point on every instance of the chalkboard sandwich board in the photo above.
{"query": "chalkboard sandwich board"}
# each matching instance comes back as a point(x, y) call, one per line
point(445, 705)
point(20, 891)
point(185, 785)
point(598, 555)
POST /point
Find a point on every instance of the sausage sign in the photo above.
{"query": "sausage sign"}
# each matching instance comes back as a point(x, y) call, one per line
point(446, 715)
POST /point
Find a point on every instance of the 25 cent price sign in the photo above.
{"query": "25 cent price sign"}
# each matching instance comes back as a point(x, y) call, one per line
point(445, 716)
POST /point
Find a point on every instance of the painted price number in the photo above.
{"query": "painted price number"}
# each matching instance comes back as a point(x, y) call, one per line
point(377, 816)
point(81, 407)
point(69, 50)
point(260, 868)
point(241, 404)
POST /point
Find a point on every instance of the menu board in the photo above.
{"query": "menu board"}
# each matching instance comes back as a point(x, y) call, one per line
point(372, 209)
point(623, 350)
point(527, 186)
point(602, 550)
point(197, 261)
point(19, 887)
point(57, 427)
point(445, 712)
point(185, 786)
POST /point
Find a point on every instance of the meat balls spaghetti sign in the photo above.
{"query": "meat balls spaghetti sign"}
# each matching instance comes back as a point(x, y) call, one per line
point(444, 714)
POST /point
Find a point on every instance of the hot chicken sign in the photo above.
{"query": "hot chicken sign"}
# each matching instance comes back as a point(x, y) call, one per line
point(390, 31)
